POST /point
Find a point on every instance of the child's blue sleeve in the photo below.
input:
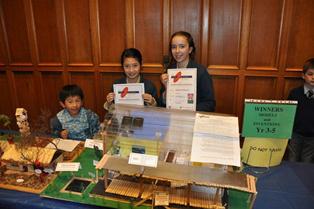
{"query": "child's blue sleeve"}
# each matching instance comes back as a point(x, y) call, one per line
point(56, 127)
point(94, 123)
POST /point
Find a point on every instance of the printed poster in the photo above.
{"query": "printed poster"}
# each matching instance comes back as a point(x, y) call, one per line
point(268, 118)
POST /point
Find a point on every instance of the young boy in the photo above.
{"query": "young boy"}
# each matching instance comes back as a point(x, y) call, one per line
point(74, 121)
point(301, 145)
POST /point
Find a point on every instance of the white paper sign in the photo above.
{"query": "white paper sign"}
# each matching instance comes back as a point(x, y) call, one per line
point(181, 89)
point(67, 145)
point(143, 159)
point(216, 139)
point(130, 93)
point(90, 143)
point(73, 166)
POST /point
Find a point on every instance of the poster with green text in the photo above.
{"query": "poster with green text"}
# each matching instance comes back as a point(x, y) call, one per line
point(268, 118)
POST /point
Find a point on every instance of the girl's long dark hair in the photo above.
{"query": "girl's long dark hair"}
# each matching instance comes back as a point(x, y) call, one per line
point(190, 40)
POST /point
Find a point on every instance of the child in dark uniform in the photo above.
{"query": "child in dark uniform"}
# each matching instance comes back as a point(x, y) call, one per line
point(131, 61)
point(182, 50)
point(301, 145)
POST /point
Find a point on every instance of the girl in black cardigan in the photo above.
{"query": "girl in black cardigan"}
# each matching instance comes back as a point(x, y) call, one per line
point(182, 50)
point(131, 61)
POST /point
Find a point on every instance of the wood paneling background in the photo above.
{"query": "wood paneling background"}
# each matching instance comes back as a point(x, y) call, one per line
point(252, 48)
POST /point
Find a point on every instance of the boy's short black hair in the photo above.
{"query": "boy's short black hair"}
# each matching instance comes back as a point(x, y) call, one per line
point(70, 90)
point(309, 64)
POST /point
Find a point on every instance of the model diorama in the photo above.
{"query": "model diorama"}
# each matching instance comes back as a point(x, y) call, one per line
point(162, 137)
point(179, 185)
point(26, 163)
point(174, 181)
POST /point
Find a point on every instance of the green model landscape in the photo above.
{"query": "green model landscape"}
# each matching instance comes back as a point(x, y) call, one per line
point(237, 199)
point(87, 171)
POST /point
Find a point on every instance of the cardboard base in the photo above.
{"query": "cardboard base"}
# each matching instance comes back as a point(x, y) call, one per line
point(87, 171)
point(95, 193)
point(31, 182)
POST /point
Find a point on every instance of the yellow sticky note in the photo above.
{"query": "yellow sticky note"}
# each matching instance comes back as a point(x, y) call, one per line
point(263, 152)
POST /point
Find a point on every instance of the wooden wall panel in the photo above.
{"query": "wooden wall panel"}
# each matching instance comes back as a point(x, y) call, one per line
point(263, 43)
point(155, 78)
point(242, 42)
point(3, 53)
point(291, 83)
point(148, 29)
point(301, 37)
point(5, 101)
point(186, 15)
point(16, 31)
point(106, 81)
point(225, 90)
point(52, 84)
point(79, 42)
point(260, 87)
point(46, 30)
point(27, 94)
point(224, 34)
point(112, 29)
point(86, 82)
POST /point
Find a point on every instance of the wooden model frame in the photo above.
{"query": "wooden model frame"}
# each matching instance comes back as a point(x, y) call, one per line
point(188, 176)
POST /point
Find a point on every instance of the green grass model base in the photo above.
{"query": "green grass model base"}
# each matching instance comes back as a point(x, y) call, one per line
point(81, 187)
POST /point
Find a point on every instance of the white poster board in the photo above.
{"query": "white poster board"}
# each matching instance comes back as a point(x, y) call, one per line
point(181, 89)
point(130, 93)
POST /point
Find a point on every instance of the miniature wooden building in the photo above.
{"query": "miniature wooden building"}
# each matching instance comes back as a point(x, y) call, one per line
point(24, 160)
point(176, 184)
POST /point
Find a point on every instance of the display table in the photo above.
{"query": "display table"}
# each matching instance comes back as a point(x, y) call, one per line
point(288, 186)
point(20, 200)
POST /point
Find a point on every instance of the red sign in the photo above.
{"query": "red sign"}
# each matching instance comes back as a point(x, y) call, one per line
point(177, 76)
point(124, 92)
